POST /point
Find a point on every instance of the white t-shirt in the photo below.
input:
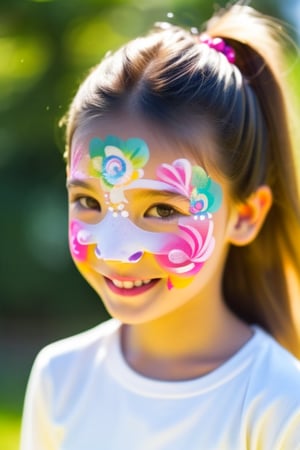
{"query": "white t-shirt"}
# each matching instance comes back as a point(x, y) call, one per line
point(83, 396)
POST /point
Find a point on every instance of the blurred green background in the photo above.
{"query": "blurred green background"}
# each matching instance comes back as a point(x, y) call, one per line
point(46, 48)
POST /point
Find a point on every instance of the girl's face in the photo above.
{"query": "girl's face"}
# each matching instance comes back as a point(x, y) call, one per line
point(148, 224)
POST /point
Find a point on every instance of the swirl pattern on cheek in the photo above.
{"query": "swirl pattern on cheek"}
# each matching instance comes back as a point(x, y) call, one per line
point(78, 251)
point(186, 252)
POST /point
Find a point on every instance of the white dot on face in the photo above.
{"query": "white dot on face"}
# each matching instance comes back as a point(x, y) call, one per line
point(124, 213)
point(83, 236)
point(115, 214)
point(121, 206)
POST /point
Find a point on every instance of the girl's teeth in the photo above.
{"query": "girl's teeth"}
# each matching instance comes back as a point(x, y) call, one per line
point(130, 284)
point(118, 283)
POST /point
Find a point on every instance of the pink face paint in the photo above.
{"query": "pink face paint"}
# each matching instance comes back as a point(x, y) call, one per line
point(193, 183)
point(119, 239)
point(79, 251)
point(78, 155)
point(118, 165)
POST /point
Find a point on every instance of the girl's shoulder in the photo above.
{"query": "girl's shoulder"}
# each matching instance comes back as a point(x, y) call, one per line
point(272, 395)
point(275, 373)
point(63, 354)
point(273, 359)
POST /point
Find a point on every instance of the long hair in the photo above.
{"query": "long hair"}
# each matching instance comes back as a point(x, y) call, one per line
point(168, 77)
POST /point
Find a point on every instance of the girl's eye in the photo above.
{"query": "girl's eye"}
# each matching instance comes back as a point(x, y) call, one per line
point(162, 211)
point(88, 203)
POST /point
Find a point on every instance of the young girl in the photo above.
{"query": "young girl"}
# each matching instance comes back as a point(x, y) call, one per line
point(184, 218)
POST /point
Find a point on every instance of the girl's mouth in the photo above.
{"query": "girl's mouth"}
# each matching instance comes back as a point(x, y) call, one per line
point(130, 287)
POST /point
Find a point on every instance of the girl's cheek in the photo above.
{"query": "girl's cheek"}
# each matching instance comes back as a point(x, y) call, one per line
point(78, 251)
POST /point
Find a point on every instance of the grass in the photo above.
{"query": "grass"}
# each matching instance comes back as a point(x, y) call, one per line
point(9, 430)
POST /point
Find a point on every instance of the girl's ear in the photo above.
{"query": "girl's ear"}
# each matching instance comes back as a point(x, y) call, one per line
point(250, 216)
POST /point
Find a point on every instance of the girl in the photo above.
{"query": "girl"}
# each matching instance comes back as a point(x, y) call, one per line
point(184, 218)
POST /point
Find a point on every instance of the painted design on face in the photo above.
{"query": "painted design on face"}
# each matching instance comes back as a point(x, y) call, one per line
point(192, 182)
point(179, 253)
point(115, 239)
point(79, 251)
point(186, 251)
point(117, 163)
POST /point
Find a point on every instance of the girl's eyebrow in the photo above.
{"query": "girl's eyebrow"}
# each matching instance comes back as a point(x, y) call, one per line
point(76, 182)
point(151, 194)
point(148, 194)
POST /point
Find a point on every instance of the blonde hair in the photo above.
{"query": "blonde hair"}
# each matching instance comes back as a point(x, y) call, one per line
point(168, 77)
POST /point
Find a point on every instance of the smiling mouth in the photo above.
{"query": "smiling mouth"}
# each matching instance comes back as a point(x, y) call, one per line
point(130, 284)
point(130, 287)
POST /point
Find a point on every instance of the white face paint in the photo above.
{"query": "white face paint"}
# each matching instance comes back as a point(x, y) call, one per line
point(118, 165)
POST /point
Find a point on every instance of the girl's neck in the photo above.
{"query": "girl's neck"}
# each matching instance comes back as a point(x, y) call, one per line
point(186, 344)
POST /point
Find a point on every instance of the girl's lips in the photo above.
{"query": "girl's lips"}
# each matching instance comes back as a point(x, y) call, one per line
point(129, 288)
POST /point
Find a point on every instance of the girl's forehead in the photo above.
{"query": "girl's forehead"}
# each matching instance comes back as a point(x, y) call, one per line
point(113, 153)
point(138, 141)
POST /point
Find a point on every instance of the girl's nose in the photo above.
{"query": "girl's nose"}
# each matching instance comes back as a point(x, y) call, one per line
point(119, 253)
point(119, 239)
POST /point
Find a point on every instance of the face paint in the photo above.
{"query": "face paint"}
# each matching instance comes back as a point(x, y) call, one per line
point(78, 156)
point(119, 239)
point(193, 183)
point(118, 165)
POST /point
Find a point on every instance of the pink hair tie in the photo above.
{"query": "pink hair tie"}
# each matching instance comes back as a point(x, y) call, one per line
point(220, 45)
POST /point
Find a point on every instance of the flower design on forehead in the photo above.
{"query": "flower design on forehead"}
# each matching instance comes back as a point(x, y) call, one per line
point(117, 163)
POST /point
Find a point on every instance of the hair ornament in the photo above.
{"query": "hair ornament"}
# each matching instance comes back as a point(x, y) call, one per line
point(219, 45)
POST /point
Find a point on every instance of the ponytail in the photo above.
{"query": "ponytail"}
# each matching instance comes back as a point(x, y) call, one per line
point(257, 278)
